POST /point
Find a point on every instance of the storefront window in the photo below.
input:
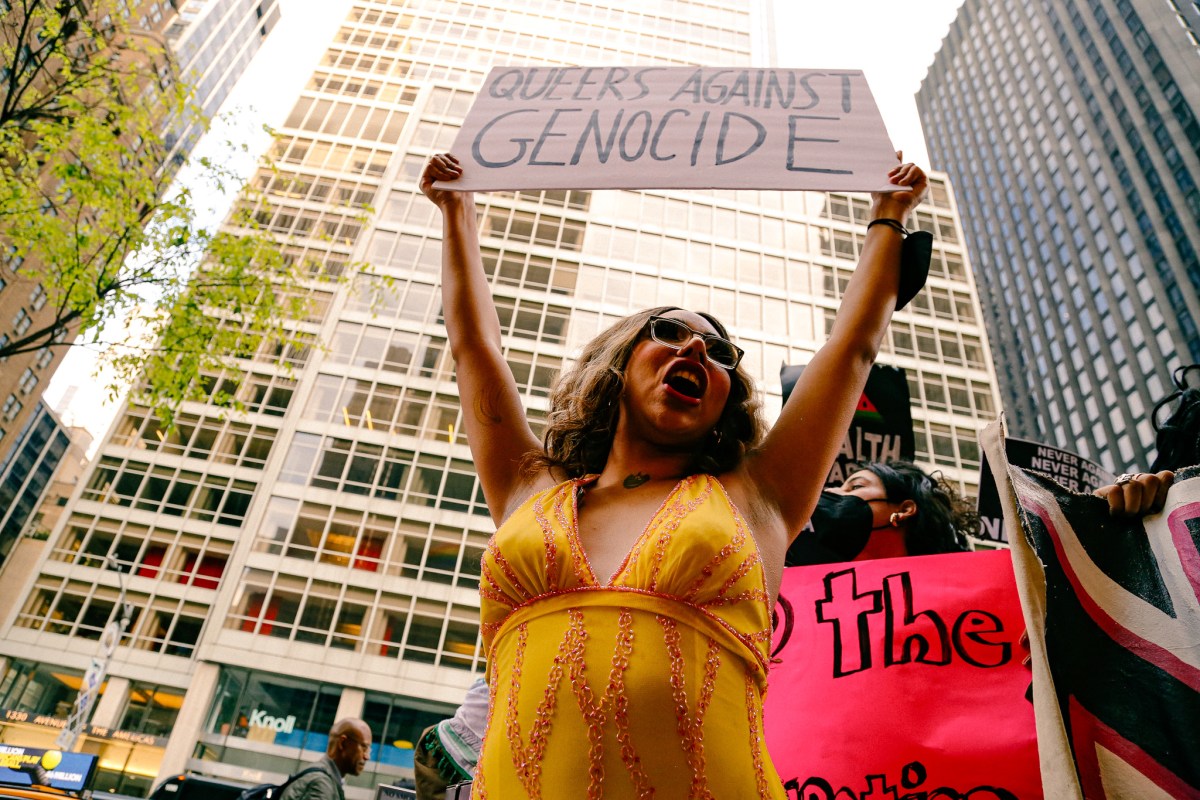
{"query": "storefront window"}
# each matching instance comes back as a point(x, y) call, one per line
point(40, 688)
point(273, 709)
point(37, 699)
point(151, 709)
point(128, 769)
point(396, 723)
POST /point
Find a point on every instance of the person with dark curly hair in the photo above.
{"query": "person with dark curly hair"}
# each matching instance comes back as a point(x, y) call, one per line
point(626, 596)
point(885, 510)
point(918, 513)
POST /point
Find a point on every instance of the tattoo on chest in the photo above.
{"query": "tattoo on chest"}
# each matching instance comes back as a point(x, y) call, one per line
point(635, 480)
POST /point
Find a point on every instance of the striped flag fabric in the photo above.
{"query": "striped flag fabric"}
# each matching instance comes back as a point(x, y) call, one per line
point(1113, 614)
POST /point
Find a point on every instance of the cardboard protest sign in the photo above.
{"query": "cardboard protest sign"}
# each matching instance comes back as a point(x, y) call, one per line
point(882, 428)
point(902, 678)
point(1074, 472)
point(673, 128)
point(1113, 609)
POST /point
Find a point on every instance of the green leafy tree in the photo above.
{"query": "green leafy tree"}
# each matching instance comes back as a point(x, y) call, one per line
point(89, 111)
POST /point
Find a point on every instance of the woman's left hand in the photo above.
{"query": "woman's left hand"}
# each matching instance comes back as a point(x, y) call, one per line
point(1137, 495)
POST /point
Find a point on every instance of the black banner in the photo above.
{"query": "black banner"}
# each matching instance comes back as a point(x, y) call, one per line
point(1073, 472)
point(882, 429)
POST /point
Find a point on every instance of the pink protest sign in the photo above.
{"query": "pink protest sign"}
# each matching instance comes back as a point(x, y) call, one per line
point(902, 678)
point(673, 128)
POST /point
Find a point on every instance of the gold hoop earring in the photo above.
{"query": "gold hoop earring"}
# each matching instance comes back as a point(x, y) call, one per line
point(895, 519)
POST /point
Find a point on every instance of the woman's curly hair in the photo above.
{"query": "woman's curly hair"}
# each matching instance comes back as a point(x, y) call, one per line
point(944, 519)
point(585, 399)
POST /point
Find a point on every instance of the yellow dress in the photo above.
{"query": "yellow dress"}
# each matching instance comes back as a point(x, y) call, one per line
point(648, 685)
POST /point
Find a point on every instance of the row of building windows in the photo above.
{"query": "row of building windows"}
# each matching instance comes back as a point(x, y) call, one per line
point(947, 445)
point(222, 441)
point(434, 135)
point(478, 46)
point(396, 352)
point(386, 473)
point(403, 254)
point(525, 271)
point(348, 120)
point(337, 616)
point(942, 302)
point(188, 557)
point(408, 410)
point(547, 228)
point(393, 94)
point(385, 407)
point(11, 407)
point(171, 491)
point(940, 346)
point(158, 623)
point(675, 19)
point(297, 186)
point(256, 392)
point(344, 158)
point(371, 541)
point(321, 260)
point(289, 221)
point(936, 391)
point(709, 12)
point(395, 299)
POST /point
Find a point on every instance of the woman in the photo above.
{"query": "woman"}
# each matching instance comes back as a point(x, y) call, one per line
point(626, 595)
point(885, 510)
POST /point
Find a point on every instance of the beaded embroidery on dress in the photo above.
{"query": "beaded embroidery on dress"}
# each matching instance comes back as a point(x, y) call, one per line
point(648, 686)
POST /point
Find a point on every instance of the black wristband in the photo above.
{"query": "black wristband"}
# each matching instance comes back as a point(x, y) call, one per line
point(891, 223)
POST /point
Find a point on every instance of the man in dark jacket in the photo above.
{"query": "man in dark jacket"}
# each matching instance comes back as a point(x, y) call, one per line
point(349, 747)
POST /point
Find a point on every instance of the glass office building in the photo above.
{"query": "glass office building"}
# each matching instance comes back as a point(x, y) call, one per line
point(1069, 129)
point(26, 473)
point(318, 555)
point(212, 42)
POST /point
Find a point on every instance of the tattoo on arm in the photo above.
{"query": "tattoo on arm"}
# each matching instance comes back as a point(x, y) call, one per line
point(487, 406)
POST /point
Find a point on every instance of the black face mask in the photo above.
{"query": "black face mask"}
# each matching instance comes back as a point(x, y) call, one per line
point(838, 531)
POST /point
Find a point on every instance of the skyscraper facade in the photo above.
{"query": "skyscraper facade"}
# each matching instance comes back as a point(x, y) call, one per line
point(212, 42)
point(318, 555)
point(27, 471)
point(1070, 131)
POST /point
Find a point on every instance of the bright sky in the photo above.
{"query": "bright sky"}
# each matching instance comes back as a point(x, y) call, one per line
point(893, 43)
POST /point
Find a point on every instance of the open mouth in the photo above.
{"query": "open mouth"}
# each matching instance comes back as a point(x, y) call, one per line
point(686, 383)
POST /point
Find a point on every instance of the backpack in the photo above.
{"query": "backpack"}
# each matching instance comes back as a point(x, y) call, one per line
point(1178, 438)
point(266, 791)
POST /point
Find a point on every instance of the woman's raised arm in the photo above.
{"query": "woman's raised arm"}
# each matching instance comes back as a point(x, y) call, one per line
point(789, 470)
point(496, 426)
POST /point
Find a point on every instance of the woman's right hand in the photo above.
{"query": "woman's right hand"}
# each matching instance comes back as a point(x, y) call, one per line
point(442, 167)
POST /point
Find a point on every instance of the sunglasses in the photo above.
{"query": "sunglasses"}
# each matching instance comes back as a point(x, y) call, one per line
point(675, 334)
